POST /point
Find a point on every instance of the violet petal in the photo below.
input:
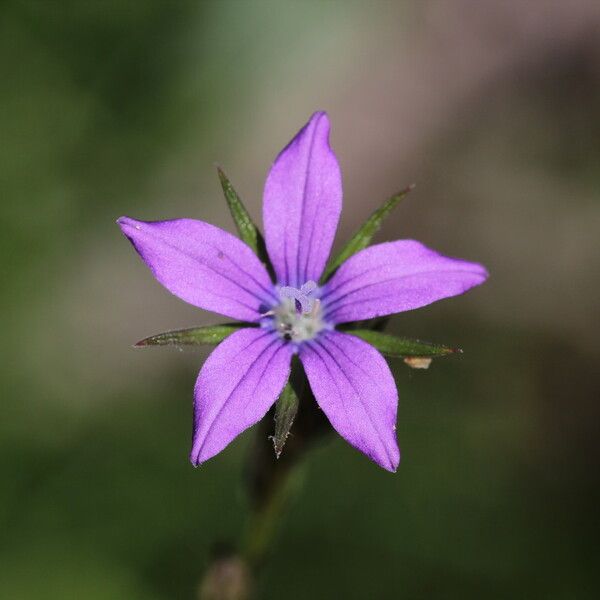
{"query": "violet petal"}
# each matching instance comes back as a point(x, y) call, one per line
point(356, 390)
point(395, 277)
point(203, 265)
point(302, 204)
point(236, 386)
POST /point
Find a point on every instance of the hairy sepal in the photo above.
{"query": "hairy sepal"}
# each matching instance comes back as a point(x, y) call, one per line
point(402, 347)
point(194, 336)
point(362, 238)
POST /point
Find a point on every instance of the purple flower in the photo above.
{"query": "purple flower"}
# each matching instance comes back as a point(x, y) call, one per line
point(246, 373)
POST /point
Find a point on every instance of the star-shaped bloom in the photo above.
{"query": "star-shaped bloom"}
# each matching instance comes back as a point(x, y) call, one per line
point(245, 374)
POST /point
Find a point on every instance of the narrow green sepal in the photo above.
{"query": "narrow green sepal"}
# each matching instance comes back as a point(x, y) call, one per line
point(285, 413)
point(287, 404)
point(362, 238)
point(195, 336)
point(247, 230)
point(401, 347)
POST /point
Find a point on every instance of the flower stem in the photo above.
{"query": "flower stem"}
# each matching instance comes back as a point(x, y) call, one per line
point(271, 484)
point(262, 524)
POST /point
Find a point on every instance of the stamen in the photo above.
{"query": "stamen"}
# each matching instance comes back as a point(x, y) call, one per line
point(308, 287)
point(316, 308)
point(302, 296)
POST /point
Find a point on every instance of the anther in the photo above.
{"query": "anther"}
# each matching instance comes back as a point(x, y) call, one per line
point(301, 296)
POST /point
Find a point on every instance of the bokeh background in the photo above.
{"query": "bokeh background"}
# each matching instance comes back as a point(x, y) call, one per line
point(120, 107)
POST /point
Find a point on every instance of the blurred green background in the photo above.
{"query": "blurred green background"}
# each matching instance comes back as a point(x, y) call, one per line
point(118, 107)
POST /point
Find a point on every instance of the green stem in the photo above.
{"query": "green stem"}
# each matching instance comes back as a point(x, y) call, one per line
point(262, 524)
point(271, 483)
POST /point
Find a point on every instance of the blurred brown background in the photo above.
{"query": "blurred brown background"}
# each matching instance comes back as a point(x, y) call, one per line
point(121, 107)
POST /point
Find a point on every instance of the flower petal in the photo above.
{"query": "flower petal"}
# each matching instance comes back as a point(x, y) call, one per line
point(236, 386)
point(302, 204)
point(203, 265)
point(395, 277)
point(355, 388)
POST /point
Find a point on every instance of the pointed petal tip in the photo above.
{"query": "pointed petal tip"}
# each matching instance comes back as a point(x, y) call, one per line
point(478, 269)
point(126, 223)
point(320, 120)
point(200, 452)
point(391, 459)
point(480, 272)
point(388, 462)
point(396, 463)
point(319, 114)
point(198, 455)
point(390, 465)
point(195, 458)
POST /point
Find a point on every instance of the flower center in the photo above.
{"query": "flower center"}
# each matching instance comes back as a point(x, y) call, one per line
point(298, 317)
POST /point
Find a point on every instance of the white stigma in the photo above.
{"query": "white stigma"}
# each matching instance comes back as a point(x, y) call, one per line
point(298, 317)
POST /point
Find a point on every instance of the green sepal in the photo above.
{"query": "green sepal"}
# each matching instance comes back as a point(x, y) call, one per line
point(362, 238)
point(285, 413)
point(287, 404)
point(195, 336)
point(402, 347)
point(247, 230)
